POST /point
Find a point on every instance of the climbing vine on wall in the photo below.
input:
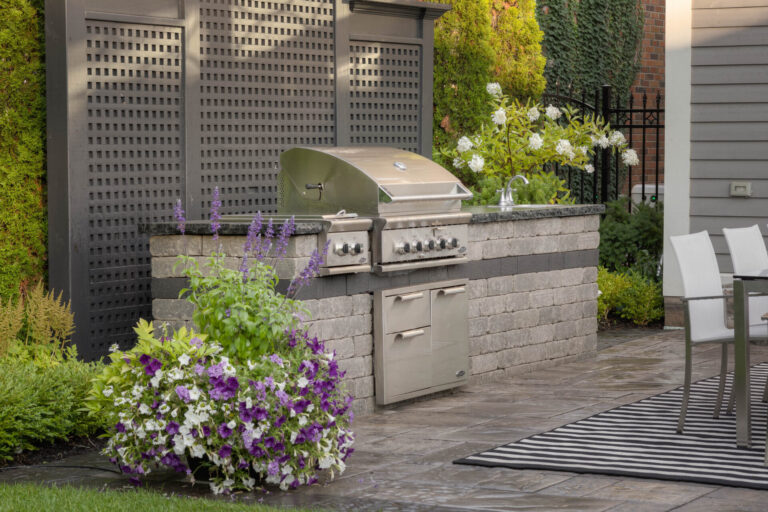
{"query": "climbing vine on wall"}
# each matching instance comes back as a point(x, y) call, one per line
point(589, 43)
point(22, 145)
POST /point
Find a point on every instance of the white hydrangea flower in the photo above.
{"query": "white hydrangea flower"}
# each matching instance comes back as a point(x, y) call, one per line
point(499, 117)
point(617, 138)
point(589, 168)
point(464, 145)
point(108, 391)
point(553, 112)
point(629, 157)
point(601, 142)
point(477, 163)
point(535, 142)
point(458, 163)
point(183, 359)
point(583, 150)
point(114, 348)
point(564, 147)
point(494, 89)
point(533, 114)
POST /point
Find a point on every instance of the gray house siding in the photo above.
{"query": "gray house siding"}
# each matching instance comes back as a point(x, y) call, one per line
point(729, 117)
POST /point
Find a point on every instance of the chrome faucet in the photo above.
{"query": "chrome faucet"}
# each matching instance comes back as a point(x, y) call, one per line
point(507, 198)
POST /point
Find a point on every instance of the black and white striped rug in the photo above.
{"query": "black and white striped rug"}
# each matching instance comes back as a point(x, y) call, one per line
point(640, 440)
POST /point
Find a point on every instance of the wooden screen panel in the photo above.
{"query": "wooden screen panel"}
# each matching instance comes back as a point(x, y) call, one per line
point(134, 167)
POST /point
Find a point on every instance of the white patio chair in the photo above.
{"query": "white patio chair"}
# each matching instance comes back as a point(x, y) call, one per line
point(748, 254)
point(703, 307)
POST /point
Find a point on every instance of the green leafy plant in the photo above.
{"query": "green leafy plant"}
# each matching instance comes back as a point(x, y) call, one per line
point(22, 146)
point(632, 239)
point(589, 43)
point(43, 404)
point(37, 328)
point(630, 296)
point(521, 138)
point(174, 398)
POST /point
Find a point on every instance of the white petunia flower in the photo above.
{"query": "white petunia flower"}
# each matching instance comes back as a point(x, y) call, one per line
point(499, 117)
point(231, 425)
point(114, 348)
point(302, 420)
point(589, 168)
point(629, 157)
point(477, 163)
point(325, 462)
point(302, 382)
point(144, 409)
point(533, 114)
point(494, 89)
point(108, 391)
point(183, 359)
point(535, 142)
point(194, 394)
point(463, 145)
point(617, 138)
point(458, 163)
point(553, 112)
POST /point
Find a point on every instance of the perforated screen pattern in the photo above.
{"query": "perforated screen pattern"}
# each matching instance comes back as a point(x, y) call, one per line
point(134, 166)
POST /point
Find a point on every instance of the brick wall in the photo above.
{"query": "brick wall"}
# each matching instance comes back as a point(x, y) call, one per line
point(650, 80)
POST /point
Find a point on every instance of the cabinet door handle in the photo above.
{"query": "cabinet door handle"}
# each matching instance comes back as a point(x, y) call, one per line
point(409, 334)
point(410, 296)
point(452, 291)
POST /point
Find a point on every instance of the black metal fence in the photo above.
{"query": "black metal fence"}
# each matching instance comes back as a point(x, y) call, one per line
point(641, 119)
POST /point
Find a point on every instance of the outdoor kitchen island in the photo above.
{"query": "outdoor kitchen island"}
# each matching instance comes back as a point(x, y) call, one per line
point(531, 290)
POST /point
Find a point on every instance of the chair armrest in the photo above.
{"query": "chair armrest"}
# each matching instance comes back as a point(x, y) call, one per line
point(710, 297)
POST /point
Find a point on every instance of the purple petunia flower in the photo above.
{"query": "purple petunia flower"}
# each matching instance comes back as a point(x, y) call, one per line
point(151, 365)
point(183, 393)
point(215, 214)
point(216, 370)
point(223, 389)
point(206, 431)
point(273, 468)
point(196, 342)
point(178, 213)
point(276, 359)
point(172, 428)
point(225, 451)
point(224, 431)
point(120, 427)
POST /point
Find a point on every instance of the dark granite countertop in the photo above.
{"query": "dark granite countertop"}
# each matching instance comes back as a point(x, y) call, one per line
point(480, 214)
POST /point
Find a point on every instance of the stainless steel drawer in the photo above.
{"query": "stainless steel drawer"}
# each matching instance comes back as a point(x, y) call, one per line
point(407, 359)
point(405, 311)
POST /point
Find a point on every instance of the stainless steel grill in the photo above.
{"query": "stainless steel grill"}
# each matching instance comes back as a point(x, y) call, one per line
point(414, 204)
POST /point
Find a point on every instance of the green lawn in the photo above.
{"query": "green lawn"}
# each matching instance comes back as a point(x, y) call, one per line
point(35, 498)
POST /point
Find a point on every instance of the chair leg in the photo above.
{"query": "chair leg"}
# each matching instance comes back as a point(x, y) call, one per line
point(731, 402)
point(686, 388)
point(721, 386)
point(765, 391)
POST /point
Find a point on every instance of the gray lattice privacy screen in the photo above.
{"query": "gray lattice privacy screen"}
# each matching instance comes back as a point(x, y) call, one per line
point(154, 100)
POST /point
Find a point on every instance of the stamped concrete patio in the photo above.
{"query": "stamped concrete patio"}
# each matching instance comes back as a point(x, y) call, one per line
point(404, 454)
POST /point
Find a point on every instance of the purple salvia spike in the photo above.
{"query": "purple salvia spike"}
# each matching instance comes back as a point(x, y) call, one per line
point(254, 230)
point(215, 215)
point(178, 213)
point(266, 244)
point(310, 271)
point(244, 267)
point(286, 230)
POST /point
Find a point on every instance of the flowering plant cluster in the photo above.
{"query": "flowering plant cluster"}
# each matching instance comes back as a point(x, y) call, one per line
point(522, 138)
point(241, 308)
point(280, 418)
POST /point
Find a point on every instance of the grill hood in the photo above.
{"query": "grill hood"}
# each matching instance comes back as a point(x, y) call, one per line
point(370, 181)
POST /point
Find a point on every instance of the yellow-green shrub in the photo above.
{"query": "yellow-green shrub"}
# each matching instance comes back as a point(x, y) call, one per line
point(22, 145)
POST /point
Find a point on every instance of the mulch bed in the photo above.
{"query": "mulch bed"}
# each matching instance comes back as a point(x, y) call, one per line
point(56, 451)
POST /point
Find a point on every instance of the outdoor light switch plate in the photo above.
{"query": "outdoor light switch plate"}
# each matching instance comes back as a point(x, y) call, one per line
point(741, 189)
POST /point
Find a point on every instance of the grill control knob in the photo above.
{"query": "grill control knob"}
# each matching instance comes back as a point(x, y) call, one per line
point(340, 249)
point(406, 247)
point(429, 245)
point(443, 243)
point(454, 242)
point(419, 246)
point(345, 248)
point(357, 249)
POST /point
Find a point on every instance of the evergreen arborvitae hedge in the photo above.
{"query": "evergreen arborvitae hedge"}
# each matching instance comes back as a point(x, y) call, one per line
point(477, 42)
point(589, 43)
point(463, 67)
point(516, 41)
point(22, 145)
